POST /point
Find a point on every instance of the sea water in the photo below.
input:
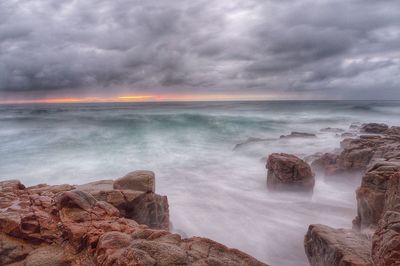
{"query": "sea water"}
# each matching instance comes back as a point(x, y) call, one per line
point(214, 190)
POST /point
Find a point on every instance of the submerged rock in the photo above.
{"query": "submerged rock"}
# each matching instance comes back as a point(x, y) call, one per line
point(288, 172)
point(298, 135)
point(63, 225)
point(249, 141)
point(327, 246)
point(332, 130)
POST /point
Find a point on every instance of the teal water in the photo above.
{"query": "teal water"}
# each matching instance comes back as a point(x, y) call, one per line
point(213, 190)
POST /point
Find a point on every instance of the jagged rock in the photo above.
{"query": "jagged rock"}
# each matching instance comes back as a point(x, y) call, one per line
point(13, 250)
point(298, 135)
point(386, 240)
point(288, 172)
point(393, 131)
point(372, 192)
point(145, 208)
point(61, 225)
point(374, 128)
point(327, 246)
point(359, 153)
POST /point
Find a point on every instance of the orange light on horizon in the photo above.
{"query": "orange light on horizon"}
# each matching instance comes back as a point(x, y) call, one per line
point(135, 97)
point(141, 98)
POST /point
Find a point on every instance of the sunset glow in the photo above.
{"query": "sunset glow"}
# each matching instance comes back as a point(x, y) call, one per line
point(140, 98)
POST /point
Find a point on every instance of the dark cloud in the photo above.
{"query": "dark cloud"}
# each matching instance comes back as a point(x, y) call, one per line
point(316, 49)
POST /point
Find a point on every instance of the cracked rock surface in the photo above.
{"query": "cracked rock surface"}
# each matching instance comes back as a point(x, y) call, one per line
point(92, 225)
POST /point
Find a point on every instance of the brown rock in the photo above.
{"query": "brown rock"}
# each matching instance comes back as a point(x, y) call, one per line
point(324, 161)
point(371, 194)
point(327, 246)
point(374, 128)
point(137, 180)
point(393, 131)
point(288, 172)
point(48, 225)
point(13, 249)
point(386, 240)
point(145, 208)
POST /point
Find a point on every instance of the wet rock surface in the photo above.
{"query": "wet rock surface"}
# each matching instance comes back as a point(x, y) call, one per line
point(374, 128)
point(375, 237)
point(298, 135)
point(327, 246)
point(66, 225)
point(288, 172)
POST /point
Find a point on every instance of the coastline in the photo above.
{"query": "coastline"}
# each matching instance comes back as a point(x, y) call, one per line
point(29, 214)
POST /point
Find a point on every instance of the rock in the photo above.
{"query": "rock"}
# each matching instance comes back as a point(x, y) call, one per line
point(13, 249)
point(298, 135)
point(327, 246)
point(332, 130)
point(359, 153)
point(250, 140)
point(348, 135)
point(313, 157)
point(49, 256)
point(288, 172)
point(324, 161)
point(137, 180)
point(372, 192)
point(146, 208)
point(393, 131)
point(374, 128)
point(386, 240)
point(63, 225)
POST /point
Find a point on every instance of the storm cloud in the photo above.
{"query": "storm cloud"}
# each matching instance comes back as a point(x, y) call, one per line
point(325, 49)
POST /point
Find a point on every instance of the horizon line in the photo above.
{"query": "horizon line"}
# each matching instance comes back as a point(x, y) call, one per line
point(182, 101)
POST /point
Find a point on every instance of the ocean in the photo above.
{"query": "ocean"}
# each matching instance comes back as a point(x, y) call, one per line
point(214, 190)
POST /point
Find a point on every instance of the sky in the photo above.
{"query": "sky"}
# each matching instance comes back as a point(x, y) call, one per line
point(200, 49)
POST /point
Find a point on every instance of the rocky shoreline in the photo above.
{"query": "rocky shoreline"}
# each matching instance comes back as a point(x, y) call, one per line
point(124, 221)
point(121, 222)
point(374, 238)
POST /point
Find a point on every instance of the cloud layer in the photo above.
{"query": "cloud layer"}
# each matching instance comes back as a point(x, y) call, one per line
point(346, 49)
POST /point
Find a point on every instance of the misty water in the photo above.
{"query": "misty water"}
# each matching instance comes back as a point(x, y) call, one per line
point(213, 190)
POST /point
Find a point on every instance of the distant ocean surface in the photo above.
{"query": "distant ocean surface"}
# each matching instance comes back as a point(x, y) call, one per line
point(213, 190)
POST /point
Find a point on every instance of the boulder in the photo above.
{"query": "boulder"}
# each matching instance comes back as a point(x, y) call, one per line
point(374, 128)
point(327, 246)
point(137, 180)
point(288, 172)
